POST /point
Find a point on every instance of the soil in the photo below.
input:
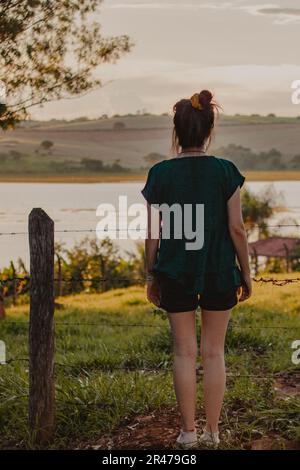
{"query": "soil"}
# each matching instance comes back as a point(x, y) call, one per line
point(159, 429)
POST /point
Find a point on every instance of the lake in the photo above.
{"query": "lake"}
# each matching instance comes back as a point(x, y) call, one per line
point(73, 207)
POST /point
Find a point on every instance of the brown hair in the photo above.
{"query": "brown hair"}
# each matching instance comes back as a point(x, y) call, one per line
point(192, 126)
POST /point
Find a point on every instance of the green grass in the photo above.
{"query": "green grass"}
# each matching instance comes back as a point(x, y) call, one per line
point(92, 397)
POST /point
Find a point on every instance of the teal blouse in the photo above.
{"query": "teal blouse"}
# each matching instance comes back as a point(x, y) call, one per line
point(206, 180)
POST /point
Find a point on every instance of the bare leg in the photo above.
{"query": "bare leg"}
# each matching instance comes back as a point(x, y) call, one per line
point(184, 367)
point(214, 327)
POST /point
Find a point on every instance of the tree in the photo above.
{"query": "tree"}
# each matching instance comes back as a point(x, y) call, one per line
point(119, 126)
point(246, 159)
point(153, 157)
point(295, 162)
point(116, 166)
point(15, 155)
point(47, 145)
point(257, 210)
point(91, 164)
point(49, 50)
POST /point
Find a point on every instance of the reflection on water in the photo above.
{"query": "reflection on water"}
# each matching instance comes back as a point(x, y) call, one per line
point(73, 207)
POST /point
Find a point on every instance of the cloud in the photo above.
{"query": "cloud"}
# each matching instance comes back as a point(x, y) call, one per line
point(171, 5)
point(153, 86)
point(280, 11)
point(281, 15)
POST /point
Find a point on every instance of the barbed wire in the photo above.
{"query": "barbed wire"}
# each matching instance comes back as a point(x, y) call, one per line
point(78, 231)
point(274, 281)
point(108, 368)
point(147, 325)
point(76, 279)
point(91, 230)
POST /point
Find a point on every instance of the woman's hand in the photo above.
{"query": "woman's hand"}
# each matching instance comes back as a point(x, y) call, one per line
point(153, 292)
point(245, 290)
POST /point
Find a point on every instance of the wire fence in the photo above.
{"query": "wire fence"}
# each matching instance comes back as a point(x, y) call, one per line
point(112, 368)
point(6, 280)
point(42, 283)
point(142, 229)
point(148, 325)
point(142, 280)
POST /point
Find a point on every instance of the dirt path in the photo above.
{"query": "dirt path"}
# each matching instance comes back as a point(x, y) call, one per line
point(158, 430)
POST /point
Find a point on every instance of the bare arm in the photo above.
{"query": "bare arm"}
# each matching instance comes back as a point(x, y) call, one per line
point(151, 248)
point(239, 238)
point(152, 238)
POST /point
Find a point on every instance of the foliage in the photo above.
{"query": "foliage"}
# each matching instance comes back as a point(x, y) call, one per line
point(257, 210)
point(49, 50)
point(119, 125)
point(153, 157)
point(31, 165)
point(47, 145)
point(247, 159)
point(21, 287)
point(92, 259)
point(95, 397)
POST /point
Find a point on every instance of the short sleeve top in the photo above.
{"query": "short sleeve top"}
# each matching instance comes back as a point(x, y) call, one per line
point(198, 188)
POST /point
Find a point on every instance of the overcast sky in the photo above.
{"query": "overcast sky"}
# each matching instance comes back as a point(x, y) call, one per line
point(246, 51)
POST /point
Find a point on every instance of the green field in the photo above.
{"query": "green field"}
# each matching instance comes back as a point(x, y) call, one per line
point(21, 154)
point(98, 404)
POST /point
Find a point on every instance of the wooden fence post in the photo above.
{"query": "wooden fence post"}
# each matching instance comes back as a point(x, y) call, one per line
point(14, 285)
point(41, 326)
point(255, 261)
point(2, 308)
point(59, 292)
point(287, 257)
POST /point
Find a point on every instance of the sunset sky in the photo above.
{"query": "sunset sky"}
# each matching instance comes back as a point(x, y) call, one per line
point(247, 52)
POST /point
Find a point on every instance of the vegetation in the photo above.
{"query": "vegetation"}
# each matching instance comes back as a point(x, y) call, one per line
point(106, 374)
point(56, 148)
point(119, 125)
point(43, 165)
point(46, 146)
point(90, 259)
point(94, 397)
point(37, 40)
point(257, 210)
point(153, 157)
point(44, 161)
point(246, 159)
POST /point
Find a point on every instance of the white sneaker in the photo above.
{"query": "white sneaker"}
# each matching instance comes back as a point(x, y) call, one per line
point(187, 439)
point(209, 438)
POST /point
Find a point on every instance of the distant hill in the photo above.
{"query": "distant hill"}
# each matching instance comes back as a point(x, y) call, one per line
point(129, 138)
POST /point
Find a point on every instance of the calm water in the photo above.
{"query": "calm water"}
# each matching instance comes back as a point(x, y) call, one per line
point(73, 207)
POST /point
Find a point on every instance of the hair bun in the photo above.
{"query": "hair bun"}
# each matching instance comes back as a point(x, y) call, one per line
point(205, 97)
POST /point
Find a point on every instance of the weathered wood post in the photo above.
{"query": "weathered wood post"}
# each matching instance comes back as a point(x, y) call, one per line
point(255, 261)
point(2, 308)
point(14, 283)
point(41, 326)
point(59, 274)
point(287, 257)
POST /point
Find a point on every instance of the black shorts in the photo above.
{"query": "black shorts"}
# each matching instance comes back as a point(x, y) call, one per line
point(173, 297)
